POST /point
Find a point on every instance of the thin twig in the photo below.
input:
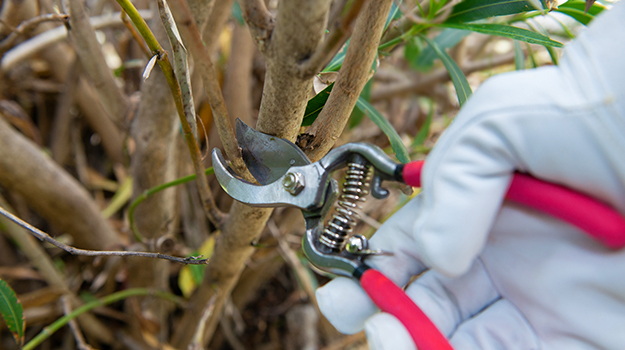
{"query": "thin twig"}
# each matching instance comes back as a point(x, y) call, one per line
point(81, 344)
point(135, 35)
point(333, 43)
point(42, 236)
point(27, 26)
point(212, 212)
point(198, 338)
point(33, 45)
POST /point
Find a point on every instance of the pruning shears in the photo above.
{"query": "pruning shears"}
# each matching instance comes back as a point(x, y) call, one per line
point(286, 177)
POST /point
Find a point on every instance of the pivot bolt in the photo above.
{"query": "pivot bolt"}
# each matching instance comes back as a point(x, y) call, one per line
point(357, 244)
point(293, 183)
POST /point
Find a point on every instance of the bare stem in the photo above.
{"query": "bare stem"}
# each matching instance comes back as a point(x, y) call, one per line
point(27, 26)
point(90, 54)
point(81, 344)
point(353, 76)
point(134, 33)
point(333, 43)
point(42, 236)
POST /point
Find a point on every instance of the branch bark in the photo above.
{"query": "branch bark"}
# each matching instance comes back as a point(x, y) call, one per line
point(299, 30)
point(259, 20)
point(333, 43)
point(353, 76)
point(90, 55)
point(191, 36)
point(26, 170)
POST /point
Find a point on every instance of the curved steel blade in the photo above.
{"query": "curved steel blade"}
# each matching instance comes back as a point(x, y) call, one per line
point(267, 157)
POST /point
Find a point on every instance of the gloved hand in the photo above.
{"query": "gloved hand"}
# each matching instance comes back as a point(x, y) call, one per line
point(506, 277)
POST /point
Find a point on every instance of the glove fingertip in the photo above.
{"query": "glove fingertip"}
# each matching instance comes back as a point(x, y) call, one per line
point(385, 332)
point(345, 304)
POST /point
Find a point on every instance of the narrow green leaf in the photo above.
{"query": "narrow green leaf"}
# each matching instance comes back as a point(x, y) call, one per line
point(448, 38)
point(12, 312)
point(315, 105)
point(506, 31)
point(337, 61)
point(473, 10)
point(463, 90)
point(519, 57)
point(396, 144)
point(576, 9)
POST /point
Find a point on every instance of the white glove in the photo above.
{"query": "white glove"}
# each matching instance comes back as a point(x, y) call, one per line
point(507, 277)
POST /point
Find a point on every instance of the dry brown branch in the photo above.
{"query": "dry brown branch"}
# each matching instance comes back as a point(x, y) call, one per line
point(424, 84)
point(40, 259)
point(81, 344)
point(25, 169)
point(135, 35)
point(353, 76)
point(214, 24)
point(94, 65)
point(198, 337)
point(59, 143)
point(259, 20)
point(299, 30)
point(55, 35)
point(42, 236)
point(27, 26)
point(341, 31)
point(13, 12)
point(204, 65)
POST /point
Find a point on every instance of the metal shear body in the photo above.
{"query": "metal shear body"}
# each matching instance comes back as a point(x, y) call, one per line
point(288, 178)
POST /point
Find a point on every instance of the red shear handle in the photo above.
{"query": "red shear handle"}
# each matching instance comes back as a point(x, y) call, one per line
point(595, 218)
point(392, 299)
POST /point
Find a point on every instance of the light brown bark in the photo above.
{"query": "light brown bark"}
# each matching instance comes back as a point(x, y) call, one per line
point(51, 191)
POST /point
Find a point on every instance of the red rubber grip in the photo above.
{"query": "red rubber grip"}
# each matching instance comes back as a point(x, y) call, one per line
point(595, 218)
point(393, 300)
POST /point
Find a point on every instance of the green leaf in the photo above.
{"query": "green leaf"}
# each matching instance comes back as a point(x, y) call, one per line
point(446, 39)
point(576, 9)
point(473, 10)
point(315, 105)
point(506, 31)
point(12, 312)
point(376, 117)
point(237, 13)
point(463, 90)
point(519, 57)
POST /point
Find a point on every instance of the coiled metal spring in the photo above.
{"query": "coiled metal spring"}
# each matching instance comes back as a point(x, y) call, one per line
point(355, 188)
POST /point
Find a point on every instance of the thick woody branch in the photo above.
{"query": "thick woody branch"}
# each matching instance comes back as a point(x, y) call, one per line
point(25, 169)
point(353, 76)
point(90, 54)
point(259, 20)
point(204, 65)
point(299, 30)
point(341, 31)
